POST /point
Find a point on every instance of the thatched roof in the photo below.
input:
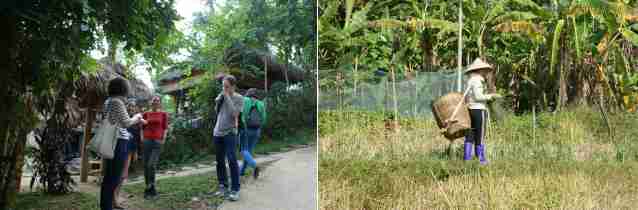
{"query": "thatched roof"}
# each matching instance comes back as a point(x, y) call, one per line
point(140, 91)
point(173, 73)
point(92, 89)
point(241, 57)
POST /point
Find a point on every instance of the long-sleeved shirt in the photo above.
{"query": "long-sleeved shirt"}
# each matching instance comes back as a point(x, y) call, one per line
point(248, 104)
point(229, 108)
point(115, 110)
point(477, 98)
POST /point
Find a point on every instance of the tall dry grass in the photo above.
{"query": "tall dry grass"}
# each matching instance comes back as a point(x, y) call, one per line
point(567, 161)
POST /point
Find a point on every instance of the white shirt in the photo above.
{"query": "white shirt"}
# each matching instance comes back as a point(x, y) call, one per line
point(477, 98)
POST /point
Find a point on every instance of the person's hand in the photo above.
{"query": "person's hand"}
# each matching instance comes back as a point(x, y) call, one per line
point(144, 122)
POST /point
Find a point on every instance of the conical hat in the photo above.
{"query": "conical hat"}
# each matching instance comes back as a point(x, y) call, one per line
point(478, 64)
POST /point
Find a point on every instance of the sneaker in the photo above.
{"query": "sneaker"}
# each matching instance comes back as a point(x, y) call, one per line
point(221, 192)
point(256, 172)
point(233, 196)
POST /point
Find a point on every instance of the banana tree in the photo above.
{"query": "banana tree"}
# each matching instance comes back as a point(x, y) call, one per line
point(618, 24)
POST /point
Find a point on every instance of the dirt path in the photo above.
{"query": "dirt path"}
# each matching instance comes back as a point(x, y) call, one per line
point(289, 183)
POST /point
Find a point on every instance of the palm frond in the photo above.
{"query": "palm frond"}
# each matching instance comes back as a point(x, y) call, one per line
point(629, 35)
point(605, 12)
point(349, 7)
point(515, 16)
point(527, 28)
point(443, 25)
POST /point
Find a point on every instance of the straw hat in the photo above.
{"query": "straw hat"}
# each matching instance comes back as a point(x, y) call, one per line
point(478, 64)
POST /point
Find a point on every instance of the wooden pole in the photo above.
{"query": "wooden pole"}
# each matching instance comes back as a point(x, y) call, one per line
point(84, 172)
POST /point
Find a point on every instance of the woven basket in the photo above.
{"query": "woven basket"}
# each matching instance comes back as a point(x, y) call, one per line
point(443, 107)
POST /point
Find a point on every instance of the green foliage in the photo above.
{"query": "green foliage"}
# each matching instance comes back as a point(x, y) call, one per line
point(185, 143)
point(281, 28)
point(72, 201)
point(290, 110)
point(522, 38)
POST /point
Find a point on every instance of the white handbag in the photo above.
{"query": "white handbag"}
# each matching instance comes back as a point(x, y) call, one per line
point(104, 141)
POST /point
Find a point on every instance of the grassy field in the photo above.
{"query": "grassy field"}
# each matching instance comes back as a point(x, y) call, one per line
point(567, 161)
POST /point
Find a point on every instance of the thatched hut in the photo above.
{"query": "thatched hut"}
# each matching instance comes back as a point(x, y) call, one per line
point(91, 90)
point(241, 59)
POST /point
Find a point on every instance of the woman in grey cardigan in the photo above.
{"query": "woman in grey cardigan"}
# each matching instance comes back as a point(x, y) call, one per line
point(115, 111)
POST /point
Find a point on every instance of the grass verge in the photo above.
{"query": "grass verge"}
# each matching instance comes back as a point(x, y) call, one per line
point(41, 201)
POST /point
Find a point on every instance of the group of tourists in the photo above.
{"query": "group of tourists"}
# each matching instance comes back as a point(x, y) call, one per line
point(238, 122)
point(238, 117)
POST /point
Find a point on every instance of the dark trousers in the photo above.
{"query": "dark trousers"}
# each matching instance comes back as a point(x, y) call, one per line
point(113, 169)
point(479, 122)
point(152, 150)
point(226, 148)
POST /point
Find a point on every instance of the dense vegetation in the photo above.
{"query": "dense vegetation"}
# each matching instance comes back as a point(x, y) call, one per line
point(282, 29)
point(546, 53)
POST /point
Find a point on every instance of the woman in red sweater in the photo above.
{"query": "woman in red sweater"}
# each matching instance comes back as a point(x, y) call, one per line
point(154, 133)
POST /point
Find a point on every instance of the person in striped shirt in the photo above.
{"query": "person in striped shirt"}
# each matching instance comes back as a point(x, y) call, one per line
point(115, 111)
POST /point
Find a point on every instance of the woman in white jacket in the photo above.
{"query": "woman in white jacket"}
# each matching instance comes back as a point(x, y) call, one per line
point(477, 99)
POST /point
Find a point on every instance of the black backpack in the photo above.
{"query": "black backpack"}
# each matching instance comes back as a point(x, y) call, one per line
point(254, 117)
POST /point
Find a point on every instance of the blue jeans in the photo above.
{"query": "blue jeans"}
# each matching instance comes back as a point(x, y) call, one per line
point(225, 147)
point(248, 141)
point(113, 169)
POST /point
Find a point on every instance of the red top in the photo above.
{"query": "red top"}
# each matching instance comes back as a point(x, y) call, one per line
point(157, 124)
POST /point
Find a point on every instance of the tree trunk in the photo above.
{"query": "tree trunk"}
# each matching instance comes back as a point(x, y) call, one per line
point(427, 56)
point(562, 81)
point(8, 125)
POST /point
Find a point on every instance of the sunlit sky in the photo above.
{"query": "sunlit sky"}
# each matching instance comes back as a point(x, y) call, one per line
point(185, 9)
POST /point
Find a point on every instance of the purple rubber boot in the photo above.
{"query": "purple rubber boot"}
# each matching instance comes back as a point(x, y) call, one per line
point(480, 152)
point(467, 150)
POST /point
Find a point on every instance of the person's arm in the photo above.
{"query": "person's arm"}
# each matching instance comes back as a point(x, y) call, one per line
point(120, 115)
point(478, 91)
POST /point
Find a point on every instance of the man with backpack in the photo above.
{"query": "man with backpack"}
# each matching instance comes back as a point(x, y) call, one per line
point(253, 118)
